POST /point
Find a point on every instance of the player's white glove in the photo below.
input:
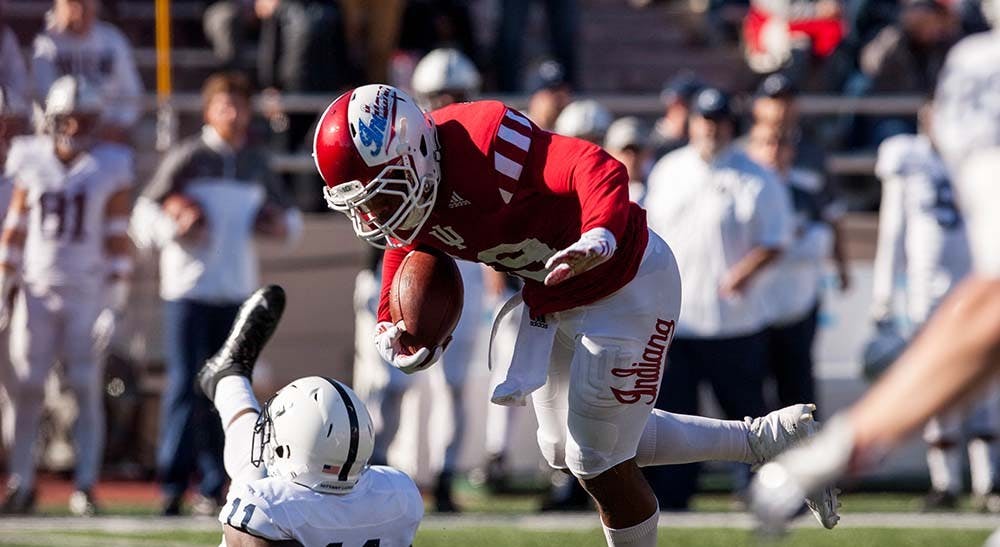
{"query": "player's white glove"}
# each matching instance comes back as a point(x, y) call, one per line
point(388, 346)
point(8, 288)
point(593, 248)
point(105, 324)
point(777, 491)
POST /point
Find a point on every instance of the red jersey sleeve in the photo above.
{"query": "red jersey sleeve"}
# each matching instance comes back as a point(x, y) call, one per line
point(599, 181)
point(390, 263)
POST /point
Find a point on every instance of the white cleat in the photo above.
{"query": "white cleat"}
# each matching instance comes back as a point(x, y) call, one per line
point(778, 431)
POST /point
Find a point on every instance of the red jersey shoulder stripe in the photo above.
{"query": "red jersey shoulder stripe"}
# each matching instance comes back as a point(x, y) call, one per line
point(510, 150)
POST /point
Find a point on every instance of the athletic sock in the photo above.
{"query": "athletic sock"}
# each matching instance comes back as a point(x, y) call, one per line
point(678, 438)
point(981, 469)
point(944, 465)
point(640, 535)
point(233, 395)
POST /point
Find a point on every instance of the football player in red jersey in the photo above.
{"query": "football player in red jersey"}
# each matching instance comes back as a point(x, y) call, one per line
point(602, 293)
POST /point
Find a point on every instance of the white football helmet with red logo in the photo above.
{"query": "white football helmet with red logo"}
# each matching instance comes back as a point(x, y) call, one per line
point(379, 155)
point(315, 432)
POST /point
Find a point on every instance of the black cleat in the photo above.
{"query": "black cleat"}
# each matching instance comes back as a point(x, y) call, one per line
point(254, 325)
point(443, 500)
point(18, 501)
point(936, 500)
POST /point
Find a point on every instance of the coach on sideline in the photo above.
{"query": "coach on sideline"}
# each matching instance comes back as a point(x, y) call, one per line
point(726, 218)
point(210, 195)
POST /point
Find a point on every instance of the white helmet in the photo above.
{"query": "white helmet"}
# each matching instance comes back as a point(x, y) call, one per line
point(585, 119)
point(379, 155)
point(72, 95)
point(444, 70)
point(315, 432)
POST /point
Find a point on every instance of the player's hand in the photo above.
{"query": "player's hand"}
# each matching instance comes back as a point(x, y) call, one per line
point(387, 343)
point(8, 289)
point(593, 248)
point(779, 487)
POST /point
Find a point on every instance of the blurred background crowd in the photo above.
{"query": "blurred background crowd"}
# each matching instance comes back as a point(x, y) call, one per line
point(687, 94)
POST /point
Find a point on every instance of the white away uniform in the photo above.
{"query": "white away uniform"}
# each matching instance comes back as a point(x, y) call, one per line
point(103, 57)
point(382, 510)
point(63, 279)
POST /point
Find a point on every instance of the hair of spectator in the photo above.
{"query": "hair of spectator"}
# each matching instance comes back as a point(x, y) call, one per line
point(233, 83)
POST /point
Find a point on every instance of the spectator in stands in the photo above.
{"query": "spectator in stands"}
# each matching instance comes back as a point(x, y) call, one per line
point(776, 104)
point(76, 42)
point(13, 74)
point(585, 119)
point(371, 32)
point(626, 141)
point(550, 93)
point(725, 218)
point(563, 23)
point(907, 56)
point(793, 36)
point(216, 192)
point(671, 130)
point(794, 281)
point(299, 51)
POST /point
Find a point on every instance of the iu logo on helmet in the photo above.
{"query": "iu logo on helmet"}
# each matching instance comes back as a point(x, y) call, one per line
point(372, 134)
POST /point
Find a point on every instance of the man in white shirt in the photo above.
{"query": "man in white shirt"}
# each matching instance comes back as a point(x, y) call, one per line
point(922, 237)
point(76, 42)
point(210, 196)
point(726, 218)
point(299, 466)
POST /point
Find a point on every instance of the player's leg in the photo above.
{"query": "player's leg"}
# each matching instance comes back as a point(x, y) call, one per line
point(499, 418)
point(32, 354)
point(790, 357)
point(944, 460)
point(225, 379)
point(84, 375)
point(175, 448)
point(983, 425)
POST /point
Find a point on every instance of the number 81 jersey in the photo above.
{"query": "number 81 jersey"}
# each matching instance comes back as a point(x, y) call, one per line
point(66, 208)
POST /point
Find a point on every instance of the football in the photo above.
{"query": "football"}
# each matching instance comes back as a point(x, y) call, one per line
point(427, 295)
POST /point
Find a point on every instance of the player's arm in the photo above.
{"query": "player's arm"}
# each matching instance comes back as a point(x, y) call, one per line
point(889, 255)
point(11, 249)
point(600, 183)
point(387, 334)
point(118, 247)
point(238, 538)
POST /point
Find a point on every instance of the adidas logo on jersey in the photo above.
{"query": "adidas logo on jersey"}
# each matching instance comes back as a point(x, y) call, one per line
point(457, 201)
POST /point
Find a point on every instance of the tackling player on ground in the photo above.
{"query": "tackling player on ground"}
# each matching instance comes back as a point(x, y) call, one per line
point(958, 350)
point(305, 480)
point(602, 292)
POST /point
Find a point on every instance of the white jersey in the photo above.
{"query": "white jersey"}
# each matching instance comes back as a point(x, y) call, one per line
point(66, 218)
point(921, 233)
point(967, 130)
point(384, 509)
point(712, 215)
point(103, 57)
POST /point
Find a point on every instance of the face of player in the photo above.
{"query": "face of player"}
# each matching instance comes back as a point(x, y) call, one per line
point(73, 134)
point(545, 105)
point(709, 136)
point(770, 147)
point(634, 159)
point(76, 16)
point(443, 99)
point(229, 115)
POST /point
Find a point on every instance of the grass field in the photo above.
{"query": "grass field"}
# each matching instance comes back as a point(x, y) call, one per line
point(691, 537)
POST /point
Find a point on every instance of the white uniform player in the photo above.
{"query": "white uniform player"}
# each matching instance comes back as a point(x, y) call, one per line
point(306, 476)
point(922, 237)
point(65, 237)
point(97, 51)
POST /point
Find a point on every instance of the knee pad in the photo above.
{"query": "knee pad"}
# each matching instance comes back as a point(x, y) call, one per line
point(593, 448)
point(553, 450)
